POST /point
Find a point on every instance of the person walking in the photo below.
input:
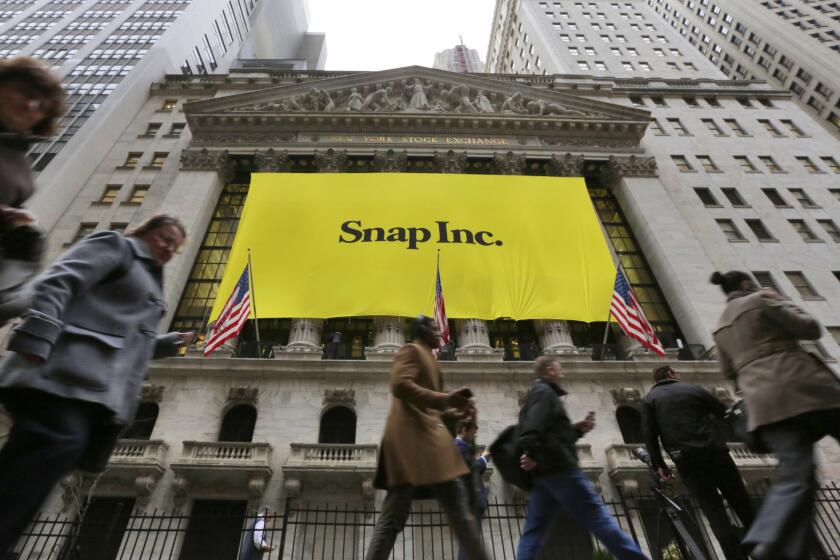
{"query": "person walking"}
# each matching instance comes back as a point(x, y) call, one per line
point(416, 456)
point(547, 438)
point(792, 399)
point(31, 102)
point(466, 431)
point(688, 421)
point(75, 365)
point(254, 544)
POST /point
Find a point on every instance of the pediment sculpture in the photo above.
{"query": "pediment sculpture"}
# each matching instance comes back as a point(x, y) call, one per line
point(413, 96)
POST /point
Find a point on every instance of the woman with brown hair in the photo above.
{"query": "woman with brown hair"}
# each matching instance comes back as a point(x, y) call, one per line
point(76, 363)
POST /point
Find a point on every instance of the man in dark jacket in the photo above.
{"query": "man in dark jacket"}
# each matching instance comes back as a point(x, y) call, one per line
point(686, 418)
point(465, 441)
point(547, 438)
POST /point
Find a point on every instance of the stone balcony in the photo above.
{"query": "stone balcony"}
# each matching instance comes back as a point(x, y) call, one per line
point(330, 466)
point(588, 464)
point(633, 475)
point(221, 466)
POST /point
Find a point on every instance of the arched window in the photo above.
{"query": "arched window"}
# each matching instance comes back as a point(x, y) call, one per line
point(630, 423)
point(338, 425)
point(238, 423)
point(144, 422)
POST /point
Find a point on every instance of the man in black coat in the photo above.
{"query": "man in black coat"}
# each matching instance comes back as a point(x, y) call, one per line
point(686, 418)
point(547, 439)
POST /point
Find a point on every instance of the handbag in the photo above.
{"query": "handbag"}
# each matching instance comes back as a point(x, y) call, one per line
point(738, 419)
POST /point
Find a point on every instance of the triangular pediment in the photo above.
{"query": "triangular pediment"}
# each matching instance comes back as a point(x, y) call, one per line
point(415, 90)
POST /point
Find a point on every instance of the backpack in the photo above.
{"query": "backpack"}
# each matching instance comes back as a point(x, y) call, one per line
point(505, 452)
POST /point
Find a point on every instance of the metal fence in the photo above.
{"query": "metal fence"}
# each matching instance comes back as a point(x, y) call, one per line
point(318, 531)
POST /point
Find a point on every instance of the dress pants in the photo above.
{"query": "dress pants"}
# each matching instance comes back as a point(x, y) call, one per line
point(572, 493)
point(452, 496)
point(785, 522)
point(48, 437)
point(708, 473)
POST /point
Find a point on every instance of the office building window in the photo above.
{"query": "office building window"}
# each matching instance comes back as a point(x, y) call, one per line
point(791, 126)
point(771, 164)
point(657, 128)
point(804, 231)
point(176, 129)
point(802, 197)
point(138, 194)
point(765, 280)
point(159, 159)
point(775, 198)
point(736, 127)
point(734, 197)
point(132, 159)
point(831, 163)
point(706, 197)
point(85, 229)
point(760, 230)
point(730, 230)
point(835, 193)
point(801, 284)
point(109, 195)
point(809, 165)
point(771, 128)
point(831, 229)
point(682, 164)
point(168, 105)
point(152, 128)
point(708, 164)
point(713, 127)
point(745, 164)
point(679, 127)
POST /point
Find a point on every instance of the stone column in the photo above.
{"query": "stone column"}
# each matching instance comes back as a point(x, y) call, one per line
point(556, 339)
point(474, 342)
point(388, 338)
point(304, 341)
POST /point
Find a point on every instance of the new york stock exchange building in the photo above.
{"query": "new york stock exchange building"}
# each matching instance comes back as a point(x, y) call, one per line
point(294, 421)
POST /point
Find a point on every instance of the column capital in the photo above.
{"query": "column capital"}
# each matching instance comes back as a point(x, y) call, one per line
point(510, 163)
point(331, 161)
point(272, 161)
point(618, 168)
point(208, 160)
point(390, 161)
point(566, 165)
point(451, 161)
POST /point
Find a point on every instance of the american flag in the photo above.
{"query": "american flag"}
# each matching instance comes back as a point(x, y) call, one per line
point(440, 313)
point(627, 311)
point(234, 314)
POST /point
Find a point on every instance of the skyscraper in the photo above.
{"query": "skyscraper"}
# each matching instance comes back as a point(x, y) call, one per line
point(792, 45)
point(459, 59)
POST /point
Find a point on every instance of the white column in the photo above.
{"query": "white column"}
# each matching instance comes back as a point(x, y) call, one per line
point(304, 340)
point(555, 337)
point(388, 338)
point(474, 342)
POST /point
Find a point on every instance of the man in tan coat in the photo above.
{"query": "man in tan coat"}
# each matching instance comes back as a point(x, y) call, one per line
point(793, 401)
point(416, 453)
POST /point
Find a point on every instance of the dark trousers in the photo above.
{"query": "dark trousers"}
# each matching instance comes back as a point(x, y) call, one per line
point(48, 437)
point(785, 522)
point(452, 497)
point(709, 474)
point(572, 492)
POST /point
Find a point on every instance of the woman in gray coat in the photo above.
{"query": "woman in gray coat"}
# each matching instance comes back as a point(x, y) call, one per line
point(75, 365)
point(793, 401)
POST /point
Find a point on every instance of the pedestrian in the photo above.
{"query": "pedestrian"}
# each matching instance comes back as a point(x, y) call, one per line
point(473, 482)
point(547, 439)
point(416, 456)
point(689, 422)
point(31, 102)
point(792, 400)
point(75, 365)
point(254, 543)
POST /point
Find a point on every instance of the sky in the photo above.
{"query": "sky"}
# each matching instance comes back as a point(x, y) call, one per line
point(382, 34)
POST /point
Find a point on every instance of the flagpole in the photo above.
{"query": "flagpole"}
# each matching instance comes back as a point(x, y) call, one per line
point(254, 303)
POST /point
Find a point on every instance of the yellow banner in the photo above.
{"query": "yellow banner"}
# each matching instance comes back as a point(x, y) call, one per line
point(355, 244)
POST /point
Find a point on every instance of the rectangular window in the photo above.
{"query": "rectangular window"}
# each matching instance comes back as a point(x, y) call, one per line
point(678, 127)
point(734, 197)
point(85, 229)
point(765, 280)
point(802, 197)
point(152, 128)
point(795, 130)
point(682, 164)
point(746, 164)
point(801, 284)
point(168, 105)
point(706, 197)
point(835, 193)
point(770, 164)
point(132, 159)
point(158, 159)
point(176, 129)
point(627, 65)
point(804, 231)
point(713, 127)
point(771, 128)
point(736, 127)
point(730, 231)
point(691, 101)
point(582, 65)
point(712, 101)
point(637, 101)
point(118, 226)
point(775, 198)
point(109, 195)
point(831, 163)
point(708, 164)
point(138, 195)
point(831, 229)
point(809, 165)
point(835, 334)
point(760, 230)
point(659, 101)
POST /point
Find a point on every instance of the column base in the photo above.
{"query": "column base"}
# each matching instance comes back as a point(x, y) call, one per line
point(642, 354)
point(568, 354)
point(479, 354)
point(298, 352)
point(384, 353)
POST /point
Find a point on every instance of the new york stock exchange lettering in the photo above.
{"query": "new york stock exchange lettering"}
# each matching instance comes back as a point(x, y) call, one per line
point(436, 140)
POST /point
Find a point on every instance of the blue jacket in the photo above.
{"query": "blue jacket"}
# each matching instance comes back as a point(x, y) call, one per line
point(474, 481)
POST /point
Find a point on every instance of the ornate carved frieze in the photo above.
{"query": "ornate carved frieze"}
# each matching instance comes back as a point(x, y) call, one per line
point(340, 396)
point(618, 168)
point(510, 163)
point(451, 161)
point(272, 161)
point(390, 161)
point(566, 165)
point(243, 395)
point(208, 160)
point(331, 161)
point(151, 393)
